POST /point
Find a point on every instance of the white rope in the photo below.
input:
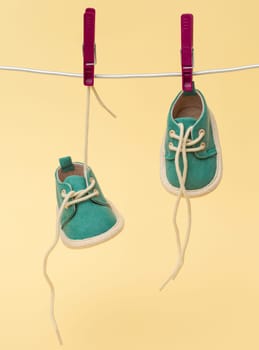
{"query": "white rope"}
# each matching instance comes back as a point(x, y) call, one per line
point(40, 71)
point(128, 76)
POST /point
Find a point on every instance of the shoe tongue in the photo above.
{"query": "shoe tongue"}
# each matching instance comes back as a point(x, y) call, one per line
point(77, 182)
point(186, 121)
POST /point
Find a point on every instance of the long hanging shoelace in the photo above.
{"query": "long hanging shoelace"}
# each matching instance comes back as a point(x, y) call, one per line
point(181, 148)
point(72, 198)
point(87, 121)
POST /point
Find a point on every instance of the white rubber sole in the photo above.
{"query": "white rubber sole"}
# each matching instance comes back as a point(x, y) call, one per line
point(103, 237)
point(215, 181)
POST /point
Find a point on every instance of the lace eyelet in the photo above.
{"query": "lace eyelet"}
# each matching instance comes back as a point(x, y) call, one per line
point(170, 145)
point(63, 193)
point(203, 145)
point(171, 133)
point(202, 132)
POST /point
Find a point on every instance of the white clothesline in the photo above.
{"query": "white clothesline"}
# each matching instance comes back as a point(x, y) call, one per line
point(127, 76)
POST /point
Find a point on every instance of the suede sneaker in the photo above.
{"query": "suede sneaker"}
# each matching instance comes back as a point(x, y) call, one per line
point(86, 218)
point(190, 162)
point(191, 153)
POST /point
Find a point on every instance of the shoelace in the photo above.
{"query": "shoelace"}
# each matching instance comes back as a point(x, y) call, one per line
point(70, 198)
point(181, 148)
point(89, 88)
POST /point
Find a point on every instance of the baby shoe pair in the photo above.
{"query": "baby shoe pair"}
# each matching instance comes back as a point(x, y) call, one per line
point(191, 166)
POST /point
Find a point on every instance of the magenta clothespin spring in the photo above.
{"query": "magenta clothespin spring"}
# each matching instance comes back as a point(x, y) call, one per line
point(187, 51)
point(89, 46)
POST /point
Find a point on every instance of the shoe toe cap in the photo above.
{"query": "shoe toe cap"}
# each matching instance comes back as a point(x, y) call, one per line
point(90, 220)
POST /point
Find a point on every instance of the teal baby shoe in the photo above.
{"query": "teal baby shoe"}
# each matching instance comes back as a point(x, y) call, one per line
point(85, 217)
point(190, 153)
point(191, 163)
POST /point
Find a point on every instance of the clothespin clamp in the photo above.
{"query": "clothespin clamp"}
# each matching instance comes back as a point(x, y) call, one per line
point(89, 49)
point(187, 51)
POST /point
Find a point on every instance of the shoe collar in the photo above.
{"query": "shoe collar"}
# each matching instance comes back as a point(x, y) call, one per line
point(80, 182)
point(203, 122)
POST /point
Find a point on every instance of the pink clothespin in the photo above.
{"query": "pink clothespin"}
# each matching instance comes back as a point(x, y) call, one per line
point(187, 51)
point(89, 46)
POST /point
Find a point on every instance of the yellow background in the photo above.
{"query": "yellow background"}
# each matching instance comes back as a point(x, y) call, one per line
point(108, 296)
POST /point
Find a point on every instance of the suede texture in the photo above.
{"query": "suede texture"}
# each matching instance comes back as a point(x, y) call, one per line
point(202, 165)
point(86, 219)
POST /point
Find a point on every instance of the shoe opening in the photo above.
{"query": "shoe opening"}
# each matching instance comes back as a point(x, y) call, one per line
point(78, 170)
point(188, 106)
